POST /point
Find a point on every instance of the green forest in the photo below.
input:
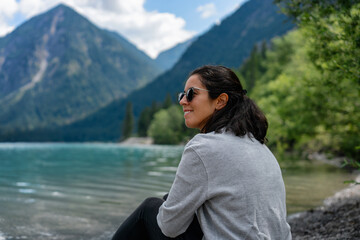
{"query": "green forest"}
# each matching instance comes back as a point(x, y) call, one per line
point(307, 83)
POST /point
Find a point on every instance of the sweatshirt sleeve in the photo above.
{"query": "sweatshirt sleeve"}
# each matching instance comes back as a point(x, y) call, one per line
point(187, 194)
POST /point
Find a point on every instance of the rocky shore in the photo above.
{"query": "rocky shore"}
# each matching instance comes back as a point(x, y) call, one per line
point(138, 141)
point(338, 218)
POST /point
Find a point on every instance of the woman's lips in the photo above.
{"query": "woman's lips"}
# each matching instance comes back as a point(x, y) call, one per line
point(186, 112)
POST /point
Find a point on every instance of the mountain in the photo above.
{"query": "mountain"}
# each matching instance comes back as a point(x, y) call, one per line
point(228, 43)
point(134, 51)
point(58, 67)
point(168, 58)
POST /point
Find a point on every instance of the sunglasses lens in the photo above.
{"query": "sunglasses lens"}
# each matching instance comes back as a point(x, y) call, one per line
point(180, 96)
point(190, 94)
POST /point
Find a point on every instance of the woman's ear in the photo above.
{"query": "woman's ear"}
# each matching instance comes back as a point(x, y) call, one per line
point(221, 101)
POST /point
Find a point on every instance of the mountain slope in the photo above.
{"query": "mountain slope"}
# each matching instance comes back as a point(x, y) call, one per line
point(228, 43)
point(168, 58)
point(58, 67)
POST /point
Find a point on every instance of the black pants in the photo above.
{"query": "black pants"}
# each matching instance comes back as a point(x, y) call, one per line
point(142, 224)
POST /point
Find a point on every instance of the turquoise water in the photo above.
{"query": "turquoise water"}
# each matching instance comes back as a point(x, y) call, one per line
point(84, 191)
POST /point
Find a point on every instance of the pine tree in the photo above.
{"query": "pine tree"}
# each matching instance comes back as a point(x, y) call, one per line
point(145, 118)
point(167, 102)
point(263, 49)
point(144, 122)
point(251, 68)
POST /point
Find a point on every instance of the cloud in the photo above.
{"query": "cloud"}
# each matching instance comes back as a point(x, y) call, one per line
point(207, 10)
point(151, 32)
point(7, 10)
point(4, 28)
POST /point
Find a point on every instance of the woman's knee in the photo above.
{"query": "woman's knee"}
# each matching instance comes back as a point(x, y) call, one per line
point(152, 202)
point(150, 208)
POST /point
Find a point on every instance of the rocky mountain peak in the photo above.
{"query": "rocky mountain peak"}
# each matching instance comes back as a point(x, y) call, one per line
point(58, 67)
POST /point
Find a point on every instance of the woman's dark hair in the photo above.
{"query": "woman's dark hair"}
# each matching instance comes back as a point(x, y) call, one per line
point(240, 115)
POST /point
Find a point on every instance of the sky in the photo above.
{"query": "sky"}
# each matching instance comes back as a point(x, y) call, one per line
point(152, 25)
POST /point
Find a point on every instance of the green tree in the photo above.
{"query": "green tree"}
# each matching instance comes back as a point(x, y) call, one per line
point(304, 113)
point(286, 93)
point(253, 67)
point(166, 127)
point(332, 31)
point(333, 28)
point(128, 125)
point(263, 49)
point(145, 118)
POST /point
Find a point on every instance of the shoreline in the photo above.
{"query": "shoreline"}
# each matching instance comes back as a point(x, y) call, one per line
point(137, 141)
point(337, 218)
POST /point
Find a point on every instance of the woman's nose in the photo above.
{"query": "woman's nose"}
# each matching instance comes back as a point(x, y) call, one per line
point(183, 101)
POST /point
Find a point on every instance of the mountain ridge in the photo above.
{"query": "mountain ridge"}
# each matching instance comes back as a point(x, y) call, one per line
point(75, 68)
point(168, 58)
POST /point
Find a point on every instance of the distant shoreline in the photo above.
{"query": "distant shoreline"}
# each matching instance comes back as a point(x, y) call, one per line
point(138, 141)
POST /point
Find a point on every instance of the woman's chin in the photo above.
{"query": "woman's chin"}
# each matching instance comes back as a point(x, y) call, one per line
point(189, 124)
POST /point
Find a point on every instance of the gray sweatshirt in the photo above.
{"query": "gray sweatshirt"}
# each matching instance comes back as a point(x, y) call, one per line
point(233, 185)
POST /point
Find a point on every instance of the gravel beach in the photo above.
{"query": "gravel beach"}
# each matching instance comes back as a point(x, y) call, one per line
point(338, 218)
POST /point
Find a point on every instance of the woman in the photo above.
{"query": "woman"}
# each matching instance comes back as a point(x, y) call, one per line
point(228, 184)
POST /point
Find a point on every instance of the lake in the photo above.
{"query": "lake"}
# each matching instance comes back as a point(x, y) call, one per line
point(84, 191)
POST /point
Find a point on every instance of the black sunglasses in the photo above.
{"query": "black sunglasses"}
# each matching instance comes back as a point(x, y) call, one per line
point(189, 94)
